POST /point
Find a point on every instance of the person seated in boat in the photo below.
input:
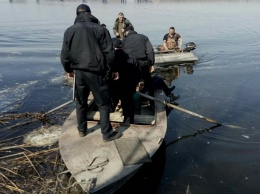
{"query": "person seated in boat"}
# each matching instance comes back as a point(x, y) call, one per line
point(120, 24)
point(158, 83)
point(123, 89)
point(171, 41)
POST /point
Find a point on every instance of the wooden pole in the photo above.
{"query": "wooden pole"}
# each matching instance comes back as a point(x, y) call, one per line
point(179, 108)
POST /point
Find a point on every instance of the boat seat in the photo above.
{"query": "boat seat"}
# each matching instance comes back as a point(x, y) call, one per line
point(118, 117)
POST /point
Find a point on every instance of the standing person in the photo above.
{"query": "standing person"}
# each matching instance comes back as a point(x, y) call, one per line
point(172, 41)
point(140, 57)
point(87, 50)
point(120, 24)
point(124, 87)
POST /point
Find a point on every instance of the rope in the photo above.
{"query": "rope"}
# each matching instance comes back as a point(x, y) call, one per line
point(90, 181)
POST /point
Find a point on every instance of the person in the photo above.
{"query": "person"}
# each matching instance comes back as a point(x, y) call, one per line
point(172, 41)
point(116, 85)
point(158, 83)
point(104, 25)
point(140, 58)
point(120, 24)
point(124, 88)
point(87, 50)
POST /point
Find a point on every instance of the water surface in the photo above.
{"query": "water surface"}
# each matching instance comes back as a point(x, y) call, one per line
point(222, 85)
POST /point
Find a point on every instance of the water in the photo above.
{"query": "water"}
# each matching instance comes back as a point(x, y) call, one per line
point(224, 84)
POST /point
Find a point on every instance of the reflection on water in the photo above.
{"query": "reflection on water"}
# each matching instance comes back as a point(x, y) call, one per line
point(222, 85)
point(173, 72)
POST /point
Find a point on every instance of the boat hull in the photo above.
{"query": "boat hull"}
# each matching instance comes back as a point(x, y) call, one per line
point(79, 152)
point(166, 58)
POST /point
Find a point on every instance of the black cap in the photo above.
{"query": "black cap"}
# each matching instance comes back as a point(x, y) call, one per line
point(83, 8)
point(117, 43)
point(129, 28)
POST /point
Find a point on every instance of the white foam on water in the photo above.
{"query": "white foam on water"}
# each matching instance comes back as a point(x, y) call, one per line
point(43, 73)
point(11, 97)
point(57, 80)
point(246, 136)
point(43, 136)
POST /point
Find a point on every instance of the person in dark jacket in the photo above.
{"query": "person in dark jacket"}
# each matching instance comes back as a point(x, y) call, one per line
point(87, 50)
point(140, 55)
point(120, 24)
point(125, 86)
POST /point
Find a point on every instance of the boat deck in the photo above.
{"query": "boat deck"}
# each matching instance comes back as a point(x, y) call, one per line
point(80, 154)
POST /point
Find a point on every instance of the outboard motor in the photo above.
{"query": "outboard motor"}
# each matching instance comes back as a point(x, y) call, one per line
point(189, 47)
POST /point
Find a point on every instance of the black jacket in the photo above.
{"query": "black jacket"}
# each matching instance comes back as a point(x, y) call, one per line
point(138, 46)
point(87, 46)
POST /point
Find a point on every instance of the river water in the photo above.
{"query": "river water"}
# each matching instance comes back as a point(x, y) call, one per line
point(223, 85)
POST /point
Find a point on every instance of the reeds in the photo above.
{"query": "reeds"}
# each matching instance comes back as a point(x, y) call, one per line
point(28, 169)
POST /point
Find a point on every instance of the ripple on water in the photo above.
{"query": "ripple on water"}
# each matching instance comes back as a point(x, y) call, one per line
point(241, 130)
point(12, 98)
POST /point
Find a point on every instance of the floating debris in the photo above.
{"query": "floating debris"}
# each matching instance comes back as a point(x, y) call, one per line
point(43, 136)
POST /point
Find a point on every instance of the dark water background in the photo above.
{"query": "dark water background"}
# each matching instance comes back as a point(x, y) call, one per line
point(223, 85)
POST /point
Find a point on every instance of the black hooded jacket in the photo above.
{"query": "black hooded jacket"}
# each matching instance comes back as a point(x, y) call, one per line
point(138, 46)
point(87, 46)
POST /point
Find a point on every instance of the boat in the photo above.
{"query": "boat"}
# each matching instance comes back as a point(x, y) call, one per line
point(170, 56)
point(103, 167)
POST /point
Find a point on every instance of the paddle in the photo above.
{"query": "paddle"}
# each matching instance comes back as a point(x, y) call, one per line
point(186, 111)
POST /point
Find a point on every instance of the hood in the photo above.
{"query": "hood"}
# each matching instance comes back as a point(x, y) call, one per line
point(131, 32)
point(86, 17)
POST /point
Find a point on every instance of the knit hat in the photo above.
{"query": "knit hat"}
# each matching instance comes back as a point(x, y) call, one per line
point(83, 8)
point(117, 43)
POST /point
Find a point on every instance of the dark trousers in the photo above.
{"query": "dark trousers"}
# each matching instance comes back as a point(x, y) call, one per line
point(146, 75)
point(123, 90)
point(86, 82)
point(158, 83)
point(128, 105)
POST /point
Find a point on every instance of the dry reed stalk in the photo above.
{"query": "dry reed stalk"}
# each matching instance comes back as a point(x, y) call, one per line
point(56, 160)
point(26, 150)
point(9, 180)
point(3, 122)
point(20, 136)
point(33, 166)
point(12, 155)
point(10, 171)
point(36, 153)
point(12, 188)
point(20, 123)
point(16, 146)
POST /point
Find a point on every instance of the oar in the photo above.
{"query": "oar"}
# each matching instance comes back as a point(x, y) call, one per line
point(186, 111)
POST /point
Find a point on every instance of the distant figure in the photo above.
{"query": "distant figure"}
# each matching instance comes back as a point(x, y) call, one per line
point(120, 24)
point(88, 51)
point(104, 25)
point(171, 41)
